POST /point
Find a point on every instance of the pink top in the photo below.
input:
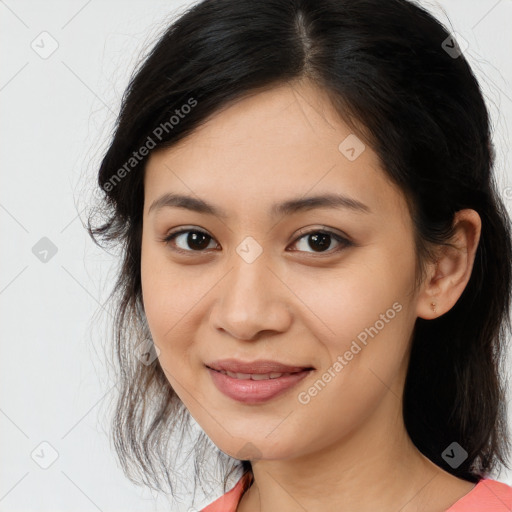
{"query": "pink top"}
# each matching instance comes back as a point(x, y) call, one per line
point(487, 496)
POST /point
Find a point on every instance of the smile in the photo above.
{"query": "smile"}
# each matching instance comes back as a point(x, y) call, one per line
point(255, 388)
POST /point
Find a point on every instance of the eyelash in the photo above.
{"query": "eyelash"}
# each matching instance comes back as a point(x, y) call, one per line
point(345, 243)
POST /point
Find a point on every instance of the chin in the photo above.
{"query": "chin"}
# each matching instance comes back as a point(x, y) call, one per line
point(253, 448)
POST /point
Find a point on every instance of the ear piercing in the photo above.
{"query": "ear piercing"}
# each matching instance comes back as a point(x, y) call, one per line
point(433, 306)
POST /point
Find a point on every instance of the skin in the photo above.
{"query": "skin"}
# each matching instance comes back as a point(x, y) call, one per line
point(347, 448)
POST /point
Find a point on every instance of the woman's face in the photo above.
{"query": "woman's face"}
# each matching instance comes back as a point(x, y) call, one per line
point(262, 283)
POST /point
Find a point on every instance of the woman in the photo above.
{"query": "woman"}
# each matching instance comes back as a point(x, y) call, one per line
point(313, 242)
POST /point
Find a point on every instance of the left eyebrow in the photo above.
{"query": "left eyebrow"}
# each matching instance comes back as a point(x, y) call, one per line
point(320, 201)
point(288, 207)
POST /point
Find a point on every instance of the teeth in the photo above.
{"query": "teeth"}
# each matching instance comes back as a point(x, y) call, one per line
point(260, 376)
point(254, 376)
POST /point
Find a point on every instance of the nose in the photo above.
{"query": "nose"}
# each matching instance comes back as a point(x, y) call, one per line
point(251, 301)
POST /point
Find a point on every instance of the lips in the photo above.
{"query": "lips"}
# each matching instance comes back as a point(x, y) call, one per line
point(255, 382)
point(256, 391)
point(258, 367)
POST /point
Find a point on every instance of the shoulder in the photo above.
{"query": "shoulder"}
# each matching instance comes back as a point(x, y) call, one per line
point(488, 495)
point(228, 502)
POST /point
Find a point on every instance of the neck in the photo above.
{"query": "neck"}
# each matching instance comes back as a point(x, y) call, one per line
point(377, 463)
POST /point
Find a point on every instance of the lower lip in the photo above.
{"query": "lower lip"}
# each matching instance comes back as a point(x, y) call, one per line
point(255, 391)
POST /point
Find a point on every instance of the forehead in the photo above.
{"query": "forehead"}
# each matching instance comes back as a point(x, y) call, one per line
point(282, 142)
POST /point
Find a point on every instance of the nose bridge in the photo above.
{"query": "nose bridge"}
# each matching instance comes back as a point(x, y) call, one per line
point(249, 279)
point(251, 300)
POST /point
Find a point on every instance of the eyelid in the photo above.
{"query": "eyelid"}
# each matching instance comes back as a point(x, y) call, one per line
point(342, 239)
point(321, 229)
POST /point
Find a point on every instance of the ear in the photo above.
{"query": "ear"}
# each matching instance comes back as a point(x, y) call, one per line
point(448, 276)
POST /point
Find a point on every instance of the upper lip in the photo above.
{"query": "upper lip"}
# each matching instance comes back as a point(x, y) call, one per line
point(260, 366)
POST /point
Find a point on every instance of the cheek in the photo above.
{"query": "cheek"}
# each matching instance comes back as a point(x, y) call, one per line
point(363, 315)
point(369, 324)
point(165, 290)
point(153, 284)
point(168, 302)
point(164, 296)
point(174, 300)
point(347, 300)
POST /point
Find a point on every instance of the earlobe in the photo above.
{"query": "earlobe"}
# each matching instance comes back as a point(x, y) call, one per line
point(450, 272)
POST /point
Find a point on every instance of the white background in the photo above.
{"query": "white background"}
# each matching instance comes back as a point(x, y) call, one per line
point(56, 116)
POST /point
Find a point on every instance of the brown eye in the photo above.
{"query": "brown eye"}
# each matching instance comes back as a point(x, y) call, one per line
point(320, 241)
point(189, 240)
